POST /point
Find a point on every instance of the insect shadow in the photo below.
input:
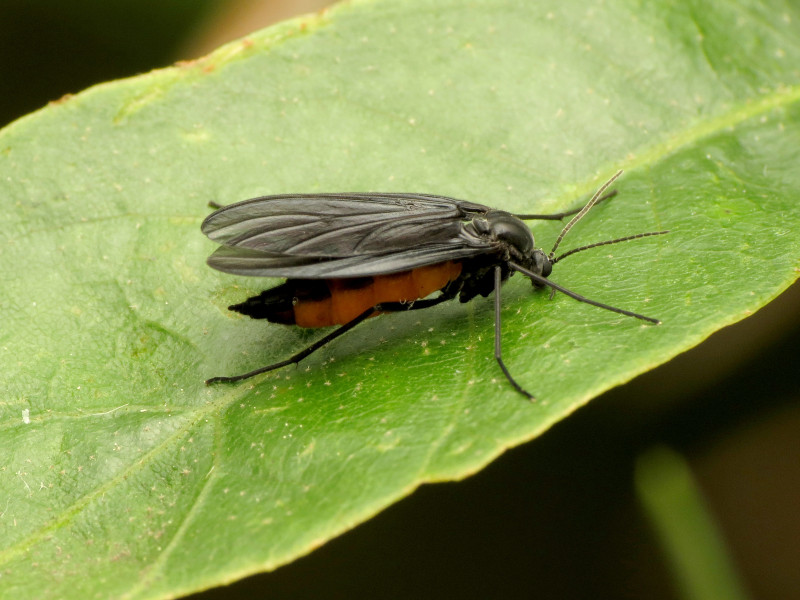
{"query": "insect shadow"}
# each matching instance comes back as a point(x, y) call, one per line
point(347, 257)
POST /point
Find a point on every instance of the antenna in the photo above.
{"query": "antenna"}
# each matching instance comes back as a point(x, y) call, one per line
point(606, 243)
point(583, 212)
point(542, 280)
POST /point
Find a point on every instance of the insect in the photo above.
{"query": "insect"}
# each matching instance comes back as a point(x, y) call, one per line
point(348, 257)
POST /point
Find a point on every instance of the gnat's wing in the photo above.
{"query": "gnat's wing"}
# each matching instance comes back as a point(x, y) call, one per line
point(322, 236)
point(339, 225)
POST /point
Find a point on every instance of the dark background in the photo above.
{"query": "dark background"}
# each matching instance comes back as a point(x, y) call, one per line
point(557, 517)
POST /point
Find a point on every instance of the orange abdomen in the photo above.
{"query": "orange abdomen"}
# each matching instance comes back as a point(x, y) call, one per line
point(351, 297)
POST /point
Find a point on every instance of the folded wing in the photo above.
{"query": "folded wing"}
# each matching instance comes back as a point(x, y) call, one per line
point(323, 236)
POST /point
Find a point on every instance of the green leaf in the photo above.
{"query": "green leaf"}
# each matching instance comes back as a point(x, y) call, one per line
point(122, 475)
point(688, 535)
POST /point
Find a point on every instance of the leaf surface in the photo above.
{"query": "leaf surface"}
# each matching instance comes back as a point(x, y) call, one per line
point(122, 475)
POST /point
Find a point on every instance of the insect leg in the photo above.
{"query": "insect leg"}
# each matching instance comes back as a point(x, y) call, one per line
point(544, 281)
point(569, 213)
point(498, 281)
point(300, 355)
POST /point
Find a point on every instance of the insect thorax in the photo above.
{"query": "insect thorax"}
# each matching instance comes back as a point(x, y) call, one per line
point(507, 231)
point(477, 276)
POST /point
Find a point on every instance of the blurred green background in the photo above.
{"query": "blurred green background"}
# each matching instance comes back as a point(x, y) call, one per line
point(556, 518)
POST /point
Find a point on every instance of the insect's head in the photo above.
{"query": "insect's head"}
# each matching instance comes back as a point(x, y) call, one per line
point(540, 264)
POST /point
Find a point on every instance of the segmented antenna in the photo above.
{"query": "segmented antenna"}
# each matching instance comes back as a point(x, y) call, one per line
point(606, 243)
point(583, 211)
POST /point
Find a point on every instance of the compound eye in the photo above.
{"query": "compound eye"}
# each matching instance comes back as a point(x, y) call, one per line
point(544, 264)
point(541, 265)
